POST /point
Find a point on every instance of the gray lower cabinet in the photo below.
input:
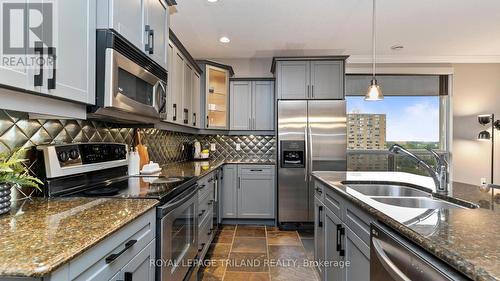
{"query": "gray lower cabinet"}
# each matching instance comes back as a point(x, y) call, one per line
point(358, 253)
point(248, 192)
point(319, 233)
point(228, 192)
point(341, 235)
point(256, 192)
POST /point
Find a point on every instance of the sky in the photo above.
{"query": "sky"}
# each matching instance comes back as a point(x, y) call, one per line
point(407, 118)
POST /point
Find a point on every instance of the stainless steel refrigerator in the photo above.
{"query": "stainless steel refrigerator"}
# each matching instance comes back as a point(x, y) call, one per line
point(311, 137)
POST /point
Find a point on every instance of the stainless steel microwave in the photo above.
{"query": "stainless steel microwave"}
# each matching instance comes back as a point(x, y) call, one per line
point(130, 86)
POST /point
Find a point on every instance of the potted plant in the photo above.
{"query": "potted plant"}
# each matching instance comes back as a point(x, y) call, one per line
point(14, 173)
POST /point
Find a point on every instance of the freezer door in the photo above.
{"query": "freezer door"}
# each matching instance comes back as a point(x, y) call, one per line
point(327, 132)
point(292, 179)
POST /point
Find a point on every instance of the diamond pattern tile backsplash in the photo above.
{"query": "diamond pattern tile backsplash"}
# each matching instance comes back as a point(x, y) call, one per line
point(17, 130)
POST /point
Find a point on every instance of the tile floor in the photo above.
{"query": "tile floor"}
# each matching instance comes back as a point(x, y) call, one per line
point(259, 253)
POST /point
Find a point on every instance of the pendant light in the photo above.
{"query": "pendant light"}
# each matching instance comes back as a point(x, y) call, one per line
point(374, 91)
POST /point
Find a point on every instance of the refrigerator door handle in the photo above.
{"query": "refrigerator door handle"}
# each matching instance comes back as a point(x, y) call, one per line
point(309, 150)
point(306, 138)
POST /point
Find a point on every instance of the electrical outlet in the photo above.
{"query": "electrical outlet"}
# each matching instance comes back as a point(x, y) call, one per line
point(238, 147)
point(212, 147)
point(483, 181)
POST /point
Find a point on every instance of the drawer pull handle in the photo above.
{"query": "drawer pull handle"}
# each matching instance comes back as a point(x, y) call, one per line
point(318, 190)
point(201, 214)
point(210, 202)
point(211, 180)
point(128, 276)
point(113, 257)
point(202, 246)
point(255, 170)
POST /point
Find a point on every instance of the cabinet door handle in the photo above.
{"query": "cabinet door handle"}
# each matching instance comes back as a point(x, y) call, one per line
point(210, 179)
point(340, 233)
point(113, 257)
point(51, 82)
point(194, 119)
point(186, 115)
point(210, 202)
point(318, 190)
point(128, 276)
point(208, 120)
point(150, 43)
point(320, 223)
point(312, 91)
point(38, 78)
point(174, 118)
point(249, 123)
point(255, 170)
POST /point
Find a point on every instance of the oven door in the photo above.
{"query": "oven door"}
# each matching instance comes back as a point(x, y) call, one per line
point(131, 88)
point(179, 228)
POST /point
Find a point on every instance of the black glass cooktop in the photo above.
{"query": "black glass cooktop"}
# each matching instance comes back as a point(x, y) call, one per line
point(160, 188)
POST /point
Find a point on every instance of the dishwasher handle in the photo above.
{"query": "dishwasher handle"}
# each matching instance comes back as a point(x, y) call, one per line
point(386, 262)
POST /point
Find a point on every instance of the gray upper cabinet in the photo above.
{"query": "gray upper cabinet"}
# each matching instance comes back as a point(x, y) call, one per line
point(183, 99)
point(327, 80)
point(241, 105)
point(263, 105)
point(70, 69)
point(252, 105)
point(156, 40)
point(143, 23)
point(292, 79)
point(310, 78)
point(228, 193)
point(196, 101)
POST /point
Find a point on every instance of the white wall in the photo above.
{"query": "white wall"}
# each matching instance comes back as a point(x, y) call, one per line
point(476, 90)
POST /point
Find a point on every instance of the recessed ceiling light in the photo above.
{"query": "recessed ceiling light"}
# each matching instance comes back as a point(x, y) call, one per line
point(224, 39)
point(212, 1)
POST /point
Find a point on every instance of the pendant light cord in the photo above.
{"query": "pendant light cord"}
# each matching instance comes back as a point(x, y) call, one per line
point(374, 39)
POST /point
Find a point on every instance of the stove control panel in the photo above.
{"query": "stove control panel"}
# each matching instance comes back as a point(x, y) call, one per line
point(70, 159)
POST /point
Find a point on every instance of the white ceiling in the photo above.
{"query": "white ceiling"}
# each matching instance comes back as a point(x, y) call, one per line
point(430, 30)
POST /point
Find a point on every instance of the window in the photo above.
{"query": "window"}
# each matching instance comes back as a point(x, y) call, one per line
point(414, 114)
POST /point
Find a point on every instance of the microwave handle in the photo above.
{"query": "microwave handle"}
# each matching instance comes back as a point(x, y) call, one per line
point(157, 96)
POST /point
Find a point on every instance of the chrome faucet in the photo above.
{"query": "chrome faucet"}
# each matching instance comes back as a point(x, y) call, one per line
point(439, 174)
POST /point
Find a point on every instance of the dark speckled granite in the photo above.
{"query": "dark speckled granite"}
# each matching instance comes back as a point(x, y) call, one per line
point(202, 168)
point(466, 239)
point(39, 235)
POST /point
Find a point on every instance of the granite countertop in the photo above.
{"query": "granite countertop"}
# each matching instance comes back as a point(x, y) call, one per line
point(39, 235)
point(201, 168)
point(466, 239)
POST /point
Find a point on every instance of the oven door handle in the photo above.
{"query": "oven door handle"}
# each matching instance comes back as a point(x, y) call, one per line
point(163, 210)
point(386, 262)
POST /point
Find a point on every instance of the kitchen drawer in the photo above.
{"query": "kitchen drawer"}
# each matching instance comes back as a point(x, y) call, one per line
point(92, 264)
point(205, 233)
point(319, 190)
point(333, 202)
point(205, 186)
point(256, 170)
point(205, 207)
point(358, 221)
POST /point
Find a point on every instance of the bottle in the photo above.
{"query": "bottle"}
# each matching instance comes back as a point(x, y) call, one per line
point(133, 162)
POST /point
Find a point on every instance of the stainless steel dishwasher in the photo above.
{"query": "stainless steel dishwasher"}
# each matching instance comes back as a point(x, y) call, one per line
point(392, 257)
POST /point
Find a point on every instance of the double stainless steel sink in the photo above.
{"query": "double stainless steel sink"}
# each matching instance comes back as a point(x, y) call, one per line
point(402, 196)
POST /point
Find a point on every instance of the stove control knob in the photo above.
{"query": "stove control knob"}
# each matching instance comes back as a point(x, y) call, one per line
point(73, 154)
point(63, 156)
